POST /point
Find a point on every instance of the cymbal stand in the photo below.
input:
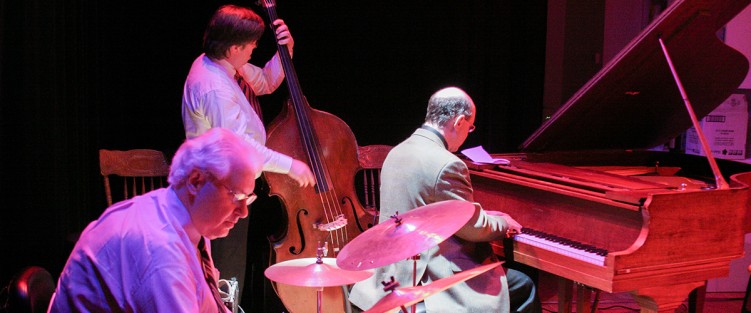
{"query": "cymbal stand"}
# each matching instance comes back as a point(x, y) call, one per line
point(414, 278)
point(391, 286)
point(320, 252)
point(398, 221)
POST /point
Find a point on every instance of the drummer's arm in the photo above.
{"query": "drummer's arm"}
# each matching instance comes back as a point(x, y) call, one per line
point(453, 183)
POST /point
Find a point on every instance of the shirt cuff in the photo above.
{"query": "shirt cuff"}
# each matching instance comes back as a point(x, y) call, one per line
point(282, 164)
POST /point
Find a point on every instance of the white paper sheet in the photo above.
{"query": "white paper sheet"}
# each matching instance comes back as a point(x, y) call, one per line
point(479, 155)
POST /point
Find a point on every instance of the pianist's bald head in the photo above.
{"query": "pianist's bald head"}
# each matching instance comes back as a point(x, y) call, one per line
point(452, 113)
point(446, 104)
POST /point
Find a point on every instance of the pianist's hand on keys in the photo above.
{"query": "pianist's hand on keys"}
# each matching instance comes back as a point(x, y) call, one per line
point(513, 226)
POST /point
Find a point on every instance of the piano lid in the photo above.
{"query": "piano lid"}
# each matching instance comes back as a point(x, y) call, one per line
point(633, 102)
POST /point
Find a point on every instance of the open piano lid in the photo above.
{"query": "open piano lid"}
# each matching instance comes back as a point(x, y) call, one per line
point(633, 102)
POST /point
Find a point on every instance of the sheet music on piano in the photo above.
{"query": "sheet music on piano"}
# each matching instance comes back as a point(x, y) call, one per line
point(479, 155)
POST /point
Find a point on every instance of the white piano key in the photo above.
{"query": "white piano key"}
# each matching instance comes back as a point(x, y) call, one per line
point(559, 248)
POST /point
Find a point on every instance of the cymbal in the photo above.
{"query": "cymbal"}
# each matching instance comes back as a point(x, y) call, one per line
point(306, 272)
point(410, 295)
point(417, 230)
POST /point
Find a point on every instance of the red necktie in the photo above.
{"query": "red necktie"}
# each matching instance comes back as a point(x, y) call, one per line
point(208, 274)
point(248, 91)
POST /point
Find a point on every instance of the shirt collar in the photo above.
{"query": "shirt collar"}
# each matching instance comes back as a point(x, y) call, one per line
point(183, 217)
point(227, 67)
point(437, 133)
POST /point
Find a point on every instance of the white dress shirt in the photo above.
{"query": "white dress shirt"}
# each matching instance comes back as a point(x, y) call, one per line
point(212, 98)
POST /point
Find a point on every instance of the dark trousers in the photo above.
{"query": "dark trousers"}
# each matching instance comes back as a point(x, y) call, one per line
point(522, 292)
point(229, 253)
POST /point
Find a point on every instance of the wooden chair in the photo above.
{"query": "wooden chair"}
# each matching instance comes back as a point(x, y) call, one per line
point(368, 179)
point(139, 171)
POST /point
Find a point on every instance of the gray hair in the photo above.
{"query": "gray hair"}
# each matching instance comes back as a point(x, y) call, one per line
point(446, 104)
point(215, 152)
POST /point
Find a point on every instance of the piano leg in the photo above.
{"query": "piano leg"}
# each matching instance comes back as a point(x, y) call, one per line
point(664, 298)
point(696, 299)
point(565, 295)
point(566, 289)
point(583, 298)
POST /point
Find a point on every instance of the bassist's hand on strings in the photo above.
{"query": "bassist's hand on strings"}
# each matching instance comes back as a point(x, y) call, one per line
point(283, 36)
point(301, 173)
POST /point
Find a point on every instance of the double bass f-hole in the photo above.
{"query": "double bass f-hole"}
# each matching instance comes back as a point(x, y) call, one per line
point(298, 219)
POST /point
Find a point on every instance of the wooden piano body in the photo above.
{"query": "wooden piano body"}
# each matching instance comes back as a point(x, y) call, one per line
point(660, 240)
point(587, 175)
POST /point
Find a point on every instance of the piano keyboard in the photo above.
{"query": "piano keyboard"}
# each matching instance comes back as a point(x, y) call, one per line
point(573, 249)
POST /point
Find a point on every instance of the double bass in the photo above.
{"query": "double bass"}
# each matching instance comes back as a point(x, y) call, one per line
point(327, 216)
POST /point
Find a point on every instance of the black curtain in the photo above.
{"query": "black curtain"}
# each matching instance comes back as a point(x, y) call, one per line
point(79, 76)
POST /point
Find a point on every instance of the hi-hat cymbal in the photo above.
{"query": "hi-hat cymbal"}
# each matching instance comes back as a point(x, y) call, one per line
point(413, 232)
point(307, 272)
point(404, 297)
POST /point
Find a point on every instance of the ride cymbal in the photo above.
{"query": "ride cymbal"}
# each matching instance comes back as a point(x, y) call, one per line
point(307, 272)
point(405, 235)
point(404, 297)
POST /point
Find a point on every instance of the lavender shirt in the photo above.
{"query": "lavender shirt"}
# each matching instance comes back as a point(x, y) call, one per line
point(140, 256)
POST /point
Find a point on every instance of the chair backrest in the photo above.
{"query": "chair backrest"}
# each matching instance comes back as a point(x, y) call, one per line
point(139, 171)
point(368, 179)
point(30, 291)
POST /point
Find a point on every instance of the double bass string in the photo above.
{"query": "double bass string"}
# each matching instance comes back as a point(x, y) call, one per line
point(327, 195)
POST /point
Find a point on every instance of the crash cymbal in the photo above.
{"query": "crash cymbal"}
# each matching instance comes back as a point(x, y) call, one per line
point(404, 297)
point(307, 272)
point(406, 235)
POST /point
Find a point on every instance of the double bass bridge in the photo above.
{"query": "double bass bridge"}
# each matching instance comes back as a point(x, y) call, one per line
point(336, 224)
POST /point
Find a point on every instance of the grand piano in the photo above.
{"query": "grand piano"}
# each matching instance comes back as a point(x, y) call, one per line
point(602, 209)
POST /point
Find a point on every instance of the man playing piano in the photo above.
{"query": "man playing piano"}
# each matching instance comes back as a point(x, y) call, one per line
point(423, 170)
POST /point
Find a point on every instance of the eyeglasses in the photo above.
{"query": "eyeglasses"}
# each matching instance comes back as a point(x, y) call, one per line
point(471, 127)
point(239, 197)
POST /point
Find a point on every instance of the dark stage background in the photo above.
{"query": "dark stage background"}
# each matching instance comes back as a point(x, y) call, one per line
point(78, 76)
